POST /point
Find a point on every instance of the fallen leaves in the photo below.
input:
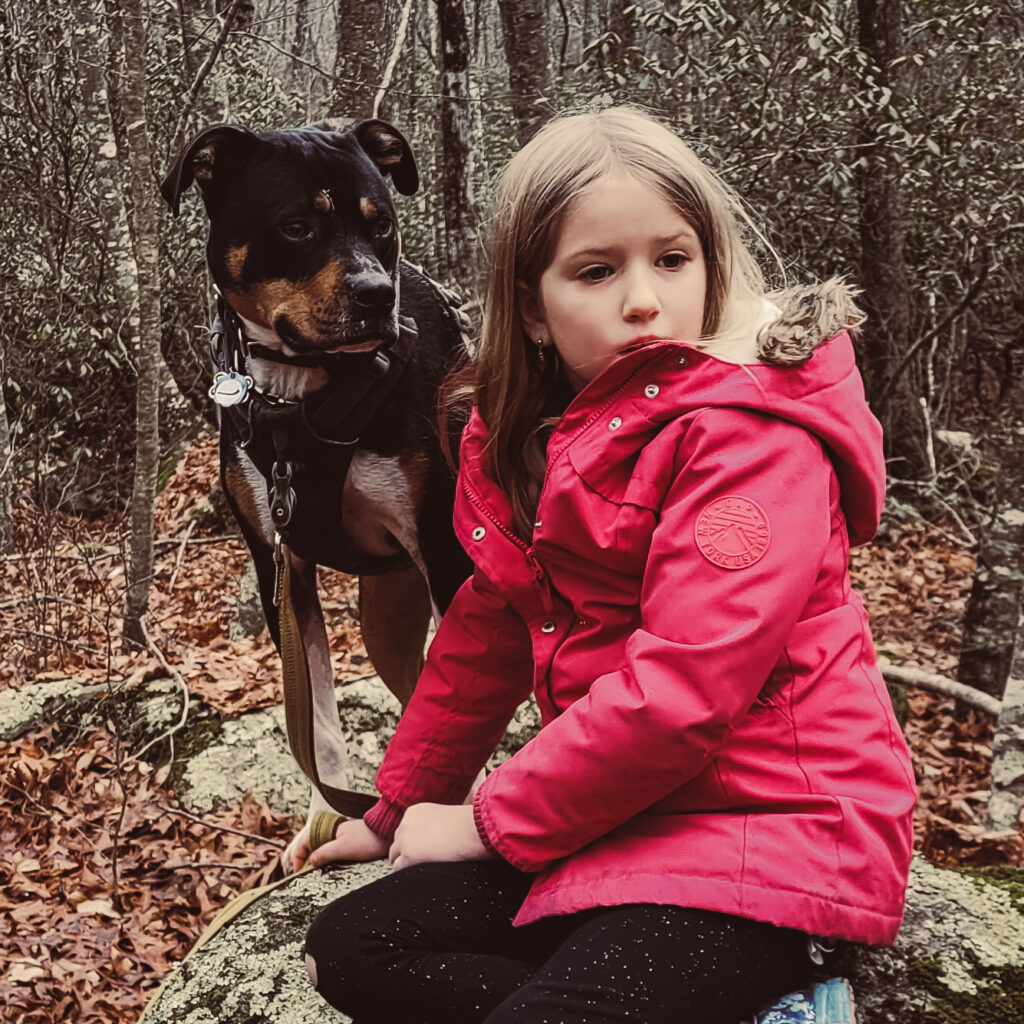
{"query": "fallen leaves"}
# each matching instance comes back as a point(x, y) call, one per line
point(103, 885)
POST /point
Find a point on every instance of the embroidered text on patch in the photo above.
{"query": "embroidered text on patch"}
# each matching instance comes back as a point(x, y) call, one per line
point(732, 532)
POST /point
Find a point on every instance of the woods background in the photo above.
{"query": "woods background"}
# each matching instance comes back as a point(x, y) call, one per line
point(882, 140)
point(879, 139)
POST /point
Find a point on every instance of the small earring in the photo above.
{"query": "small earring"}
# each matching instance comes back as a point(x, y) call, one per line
point(540, 352)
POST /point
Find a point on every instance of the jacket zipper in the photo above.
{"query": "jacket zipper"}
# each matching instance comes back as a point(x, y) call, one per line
point(538, 571)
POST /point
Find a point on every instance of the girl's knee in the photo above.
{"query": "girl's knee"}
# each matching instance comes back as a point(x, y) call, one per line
point(332, 941)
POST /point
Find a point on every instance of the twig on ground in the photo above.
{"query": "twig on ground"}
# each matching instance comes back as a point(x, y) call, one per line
point(941, 684)
point(57, 640)
point(181, 554)
point(224, 828)
point(170, 733)
point(212, 866)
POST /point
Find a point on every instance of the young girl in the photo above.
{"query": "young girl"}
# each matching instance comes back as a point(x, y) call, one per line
point(660, 523)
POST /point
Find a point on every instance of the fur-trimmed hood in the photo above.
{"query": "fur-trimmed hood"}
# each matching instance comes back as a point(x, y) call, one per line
point(807, 317)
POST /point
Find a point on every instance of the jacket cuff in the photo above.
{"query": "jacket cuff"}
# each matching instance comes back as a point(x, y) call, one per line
point(481, 831)
point(383, 818)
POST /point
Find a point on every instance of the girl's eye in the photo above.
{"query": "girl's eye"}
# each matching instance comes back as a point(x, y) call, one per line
point(296, 230)
point(673, 260)
point(597, 273)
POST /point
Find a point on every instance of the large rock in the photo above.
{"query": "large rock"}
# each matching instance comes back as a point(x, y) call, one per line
point(217, 762)
point(959, 958)
point(252, 969)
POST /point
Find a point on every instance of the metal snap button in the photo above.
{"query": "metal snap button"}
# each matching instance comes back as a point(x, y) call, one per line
point(548, 627)
point(478, 533)
point(682, 361)
point(651, 391)
point(615, 423)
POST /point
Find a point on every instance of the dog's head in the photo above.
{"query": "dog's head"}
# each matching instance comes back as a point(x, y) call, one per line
point(303, 239)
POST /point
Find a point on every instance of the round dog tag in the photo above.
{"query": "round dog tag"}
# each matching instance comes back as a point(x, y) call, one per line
point(230, 388)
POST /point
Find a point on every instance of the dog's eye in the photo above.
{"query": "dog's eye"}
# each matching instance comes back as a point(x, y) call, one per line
point(296, 230)
point(383, 227)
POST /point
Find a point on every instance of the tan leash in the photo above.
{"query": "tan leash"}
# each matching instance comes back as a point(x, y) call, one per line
point(298, 694)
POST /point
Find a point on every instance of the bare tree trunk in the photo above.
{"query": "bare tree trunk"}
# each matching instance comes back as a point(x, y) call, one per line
point(525, 27)
point(243, 15)
point(622, 24)
point(194, 18)
point(94, 71)
point(883, 270)
point(1006, 799)
point(456, 132)
point(6, 471)
point(136, 159)
point(190, 56)
point(991, 619)
point(365, 34)
point(297, 71)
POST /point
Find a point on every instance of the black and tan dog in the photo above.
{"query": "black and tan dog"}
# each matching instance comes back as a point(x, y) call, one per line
point(330, 351)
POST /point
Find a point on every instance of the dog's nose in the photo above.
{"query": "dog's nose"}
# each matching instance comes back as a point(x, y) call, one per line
point(373, 295)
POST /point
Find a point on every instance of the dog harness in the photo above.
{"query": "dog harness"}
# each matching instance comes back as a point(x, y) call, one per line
point(303, 449)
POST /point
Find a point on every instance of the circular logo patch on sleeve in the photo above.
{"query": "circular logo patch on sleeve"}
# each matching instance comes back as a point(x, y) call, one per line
point(732, 532)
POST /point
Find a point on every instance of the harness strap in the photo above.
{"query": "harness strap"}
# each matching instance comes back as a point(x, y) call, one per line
point(298, 697)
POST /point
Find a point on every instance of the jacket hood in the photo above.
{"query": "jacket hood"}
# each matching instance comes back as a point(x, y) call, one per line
point(808, 352)
point(807, 374)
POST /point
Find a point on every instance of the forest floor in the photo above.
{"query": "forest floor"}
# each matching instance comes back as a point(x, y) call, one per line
point(105, 884)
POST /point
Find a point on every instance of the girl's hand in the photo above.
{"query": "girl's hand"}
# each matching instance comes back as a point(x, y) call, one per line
point(352, 840)
point(437, 832)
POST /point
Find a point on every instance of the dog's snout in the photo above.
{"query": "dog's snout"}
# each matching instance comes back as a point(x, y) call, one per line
point(373, 295)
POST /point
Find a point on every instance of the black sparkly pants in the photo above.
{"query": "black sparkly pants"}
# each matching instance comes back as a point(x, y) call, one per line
point(434, 944)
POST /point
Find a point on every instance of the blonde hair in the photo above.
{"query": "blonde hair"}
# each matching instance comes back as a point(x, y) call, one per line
point(518, 398)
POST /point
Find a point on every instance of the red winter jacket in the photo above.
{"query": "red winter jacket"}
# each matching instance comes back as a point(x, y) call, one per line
point(716, 732)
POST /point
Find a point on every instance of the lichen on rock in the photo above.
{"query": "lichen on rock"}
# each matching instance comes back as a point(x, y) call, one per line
point(252, 970)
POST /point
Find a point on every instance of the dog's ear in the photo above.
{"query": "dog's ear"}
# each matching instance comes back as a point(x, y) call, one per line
point(387, 148)
point(208, 160)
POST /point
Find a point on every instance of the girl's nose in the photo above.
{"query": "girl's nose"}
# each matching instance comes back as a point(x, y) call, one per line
point(641, 300)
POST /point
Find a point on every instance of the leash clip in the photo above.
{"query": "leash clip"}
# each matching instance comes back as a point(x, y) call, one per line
point(278, 570)
point(282, 498)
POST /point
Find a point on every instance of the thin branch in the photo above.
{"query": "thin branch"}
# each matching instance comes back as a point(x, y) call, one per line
point(170, 733)
point(224, 828)
point(178, 138)
point(389, 71)
point(358, 81)
point(224, 538)
point(941, 684)
point(39, 635)
point(181, 554)
point(963, 304)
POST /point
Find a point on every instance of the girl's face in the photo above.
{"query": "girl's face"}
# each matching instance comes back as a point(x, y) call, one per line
point(628, 269)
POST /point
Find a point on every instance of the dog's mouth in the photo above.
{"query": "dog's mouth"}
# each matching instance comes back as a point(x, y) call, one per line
point(366, 345)
point(335, 339)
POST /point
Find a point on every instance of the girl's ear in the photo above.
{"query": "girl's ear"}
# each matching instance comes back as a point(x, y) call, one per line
point(528, 304)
